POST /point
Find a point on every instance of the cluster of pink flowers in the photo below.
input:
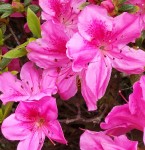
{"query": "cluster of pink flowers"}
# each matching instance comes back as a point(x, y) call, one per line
point(76, 46)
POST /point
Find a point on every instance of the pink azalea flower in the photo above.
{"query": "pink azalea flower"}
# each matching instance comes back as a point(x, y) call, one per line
point(100, 45)
point(31, 122)
point(64, 12)
point(50, 52)
point(34, 84)
point(101, 141)
point(129, 116)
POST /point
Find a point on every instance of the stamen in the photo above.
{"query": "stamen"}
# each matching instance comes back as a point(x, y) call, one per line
point(122, 96)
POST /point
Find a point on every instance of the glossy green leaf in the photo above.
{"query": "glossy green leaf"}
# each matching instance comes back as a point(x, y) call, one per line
point(5, 7)
point(7, 109)
point(4, 63)
point(27, 2)
point(34, 8)
point(15, 53)
point(33, 23)
point(128, 8)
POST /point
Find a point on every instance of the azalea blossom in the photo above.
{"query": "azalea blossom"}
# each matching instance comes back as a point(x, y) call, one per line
point(101, 141)
point(31, 122)
point(129, 116)
point(100, 45)
point(49, 52)
point(34, 84)
point(64, 12)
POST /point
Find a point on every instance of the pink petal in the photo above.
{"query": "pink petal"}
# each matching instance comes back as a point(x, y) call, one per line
point(34, 141)
point(14, 129)
point(91, 140)
point(54, 132)
point(102, 141)
point(136, 103)
point(81, 51)
point(125, 143)
point(51, 6)
point(50, 51)
point(11, 88)
point(128, 60)
point(120, 120)
point(48, 108)
point(45, 108)
point(30, 76)
point(48, 82)
point(127, 31)
point(92, 21)
point(99, 68)
point(67, 86)
point(142, 85)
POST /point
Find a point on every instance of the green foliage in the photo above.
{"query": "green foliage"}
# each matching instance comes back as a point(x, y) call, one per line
point(27, 2)
point(33, 23)
point(128, 8)
point(4, 63)
point(5, 10)
point(5, 110)
point(17, 52)
point(84, 5)
point(139, 41)
point(34, 8)
point(1, 37)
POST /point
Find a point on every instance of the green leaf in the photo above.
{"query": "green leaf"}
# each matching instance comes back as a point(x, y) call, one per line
point(6, 14)
point(27, 2)
point(33, 23)
point(83, 5)
point(15, 53)
point(127, 8)
point(7, 109)
point(1, 37)
point(1, 115)
point(5, 7)
point(4, 63)
point(1, 34)
point(5, 10)
point(34, 8)
point(121, 1)
point(3, 27)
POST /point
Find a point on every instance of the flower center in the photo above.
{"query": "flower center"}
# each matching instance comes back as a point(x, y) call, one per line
point(40, 122)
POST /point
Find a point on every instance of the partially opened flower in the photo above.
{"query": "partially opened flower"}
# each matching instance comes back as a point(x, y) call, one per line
point(129, 116)
point(34, 84)
point(100, 45)
point(64, 12)
point(31, 122)
point(101, 141)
